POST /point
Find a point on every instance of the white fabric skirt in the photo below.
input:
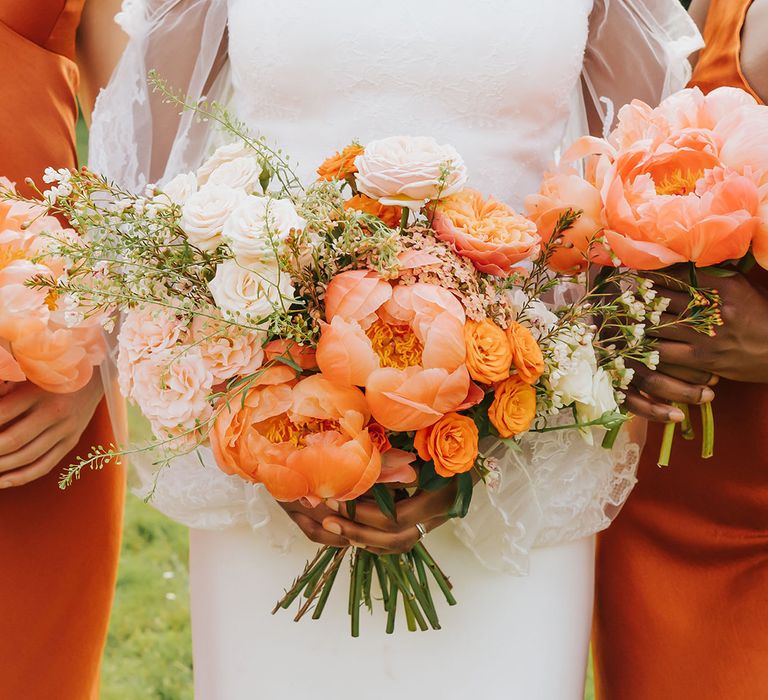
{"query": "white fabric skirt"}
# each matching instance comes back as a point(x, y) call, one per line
point(508, 637)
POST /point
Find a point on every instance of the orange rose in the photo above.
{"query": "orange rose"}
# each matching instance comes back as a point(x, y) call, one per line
point(489, 355)
point(341, 165)
point(513, 408)
point(390, 215)
point(451, 444)
point(379, 437)
point(526, 353)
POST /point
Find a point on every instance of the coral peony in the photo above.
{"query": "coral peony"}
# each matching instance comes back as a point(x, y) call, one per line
point(491, 234)
point(451, 443)
point(682, 182)
point(404, 344)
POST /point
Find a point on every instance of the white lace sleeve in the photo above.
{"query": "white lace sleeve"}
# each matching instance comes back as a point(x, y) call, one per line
point(135, 138)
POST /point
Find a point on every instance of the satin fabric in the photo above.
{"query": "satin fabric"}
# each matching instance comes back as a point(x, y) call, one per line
point(682, 575)
point(58, 550)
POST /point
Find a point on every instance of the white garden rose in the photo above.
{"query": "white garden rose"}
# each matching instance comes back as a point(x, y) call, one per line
point(258, 225)
point(206, 211)
point(409, 171)
point(533, 311)
point(241, 174)
point(251, 292)
point(602, 399)
point(223, 154)
point(179, 189)
point(571, 380)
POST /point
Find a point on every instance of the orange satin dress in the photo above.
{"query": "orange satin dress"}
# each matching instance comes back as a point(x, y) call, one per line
point(58, 550)
point(682, 575)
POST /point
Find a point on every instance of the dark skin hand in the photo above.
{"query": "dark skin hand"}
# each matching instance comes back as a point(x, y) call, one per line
point(692, 362)
point(330, 524)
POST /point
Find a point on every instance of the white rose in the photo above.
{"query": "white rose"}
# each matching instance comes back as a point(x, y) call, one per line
point(409, 171)
point(251, 292)
point(223, 154)
point(601, 400)
point(206, 211)
point(572, 380)
point(179, 189)
point(241, 174)
point(258, 224)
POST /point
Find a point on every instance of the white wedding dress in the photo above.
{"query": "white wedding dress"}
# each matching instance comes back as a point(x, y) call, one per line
point(502, 81)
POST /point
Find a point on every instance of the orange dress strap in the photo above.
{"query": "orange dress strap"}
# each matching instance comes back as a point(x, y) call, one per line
point(719, 62)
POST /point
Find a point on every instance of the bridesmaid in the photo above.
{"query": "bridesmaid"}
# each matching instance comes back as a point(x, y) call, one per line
point(682, 575)
point(58, 551)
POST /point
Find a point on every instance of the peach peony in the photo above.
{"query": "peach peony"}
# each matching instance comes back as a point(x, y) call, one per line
point(404, 344)
point(489, 355)
point(513, 408)
point(491, 234)
point(304, 441)
point(451, 443)
point(560, 192)
point(526, 353)
point(302, 356)
point(682, 182)
point(391, 216)
point(341, 165)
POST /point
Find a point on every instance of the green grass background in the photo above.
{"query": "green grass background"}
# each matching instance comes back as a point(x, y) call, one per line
point(149, 649)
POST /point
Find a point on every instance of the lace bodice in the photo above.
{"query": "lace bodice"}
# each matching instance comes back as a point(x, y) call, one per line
point(492, 77)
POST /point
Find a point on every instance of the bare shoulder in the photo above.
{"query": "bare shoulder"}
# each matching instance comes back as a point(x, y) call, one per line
point(754, 48)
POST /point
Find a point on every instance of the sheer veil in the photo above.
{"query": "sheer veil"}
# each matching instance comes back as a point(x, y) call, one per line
point(635, 49)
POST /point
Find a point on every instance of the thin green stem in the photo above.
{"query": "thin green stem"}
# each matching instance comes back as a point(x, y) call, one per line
point(666, 444)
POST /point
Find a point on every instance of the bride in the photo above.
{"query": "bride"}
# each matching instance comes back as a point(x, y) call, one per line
point(505, 82)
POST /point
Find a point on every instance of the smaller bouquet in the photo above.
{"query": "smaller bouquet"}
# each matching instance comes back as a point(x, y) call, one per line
point(684, 184)
point(45, 337)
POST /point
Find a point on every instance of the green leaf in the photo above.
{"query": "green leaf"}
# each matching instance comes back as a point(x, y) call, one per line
point(351, 508)
point(385, 501)
point(719, 271)
point(464, 491)
point(429, 479)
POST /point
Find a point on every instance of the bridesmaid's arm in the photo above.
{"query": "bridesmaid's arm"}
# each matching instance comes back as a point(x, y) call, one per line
point(100, 43)
point(754, 48)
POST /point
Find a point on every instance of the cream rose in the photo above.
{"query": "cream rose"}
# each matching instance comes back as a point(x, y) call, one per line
point(258, 224)
point(179, 189)
point(251, 292)
point(223, 154)
point(206, 211)
point(240, 174)
point(409, 171)
point(602, 398)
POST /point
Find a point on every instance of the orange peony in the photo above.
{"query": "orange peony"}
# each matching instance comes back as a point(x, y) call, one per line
point(513, 408)
point(390, 215)
point(304, 441)
point(403, 343)
point(489, 355)
point(491, 234)
point(451, 444)
point(341, 165)
point(526, 353)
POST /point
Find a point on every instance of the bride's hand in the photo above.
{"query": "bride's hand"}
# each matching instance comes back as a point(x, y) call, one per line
point(309, 521)
point(379, 534)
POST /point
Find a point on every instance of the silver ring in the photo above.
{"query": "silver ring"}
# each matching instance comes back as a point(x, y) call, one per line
point(422, 530)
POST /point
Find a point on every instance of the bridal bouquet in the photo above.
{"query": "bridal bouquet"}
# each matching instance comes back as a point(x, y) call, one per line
point(353, 340)
point(44, 337)
point(684, 184)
